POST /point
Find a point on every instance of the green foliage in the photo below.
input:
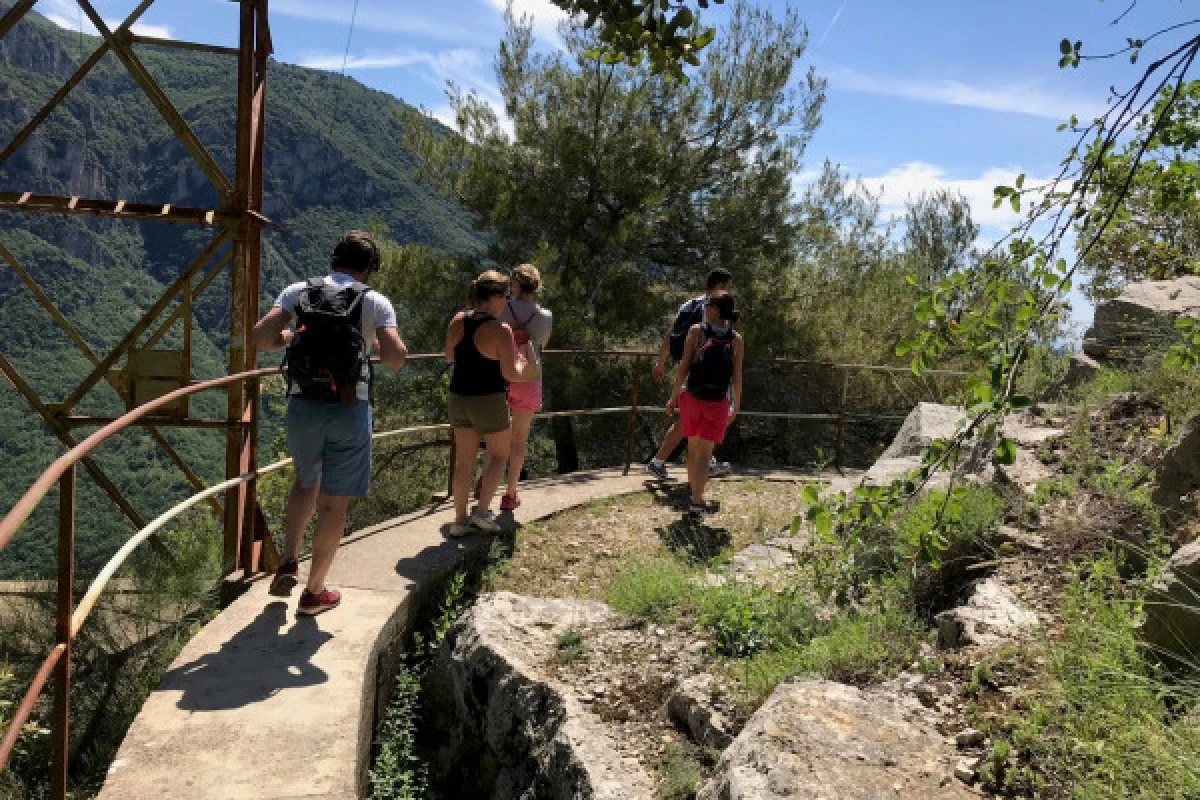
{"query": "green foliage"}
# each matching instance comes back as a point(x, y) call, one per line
point(569, 646)
point(398, 772)
point(666, 33)
point(745, 619)
point(679, 775)
point(1106, 726)
point(654, 589)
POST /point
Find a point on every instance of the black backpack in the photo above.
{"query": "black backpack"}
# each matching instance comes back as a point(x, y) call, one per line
point(690, 313)
point(328, 356)
point(712, 366)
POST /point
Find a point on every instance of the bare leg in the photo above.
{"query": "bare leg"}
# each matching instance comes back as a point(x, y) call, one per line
point(521, 422)
point(331, 524)
point(698, 454)
point(466, 448)
point(496, 449)
point(301, 503)
point(670, 441)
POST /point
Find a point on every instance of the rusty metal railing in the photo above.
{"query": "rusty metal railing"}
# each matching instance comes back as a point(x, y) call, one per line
point(69, 618)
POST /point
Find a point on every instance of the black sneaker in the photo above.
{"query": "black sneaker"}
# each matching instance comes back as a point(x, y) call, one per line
point(285, 579)
point(695, 512)
point(659, 470)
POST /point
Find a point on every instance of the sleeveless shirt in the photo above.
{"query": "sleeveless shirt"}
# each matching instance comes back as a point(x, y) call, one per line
point(474, 373)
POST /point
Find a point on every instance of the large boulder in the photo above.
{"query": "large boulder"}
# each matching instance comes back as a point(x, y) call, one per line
point(1179, 472)
point(1140, 321)
point(819, 739)
point(1171, 629)
point(504, 732)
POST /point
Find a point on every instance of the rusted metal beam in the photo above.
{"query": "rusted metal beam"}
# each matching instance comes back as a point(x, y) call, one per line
point(116, 209)
point(178, 45)
point(122, 49)
point(14, 15)
point(204, 283)
point(70, 83)
point(106, 363)
point(81, 421)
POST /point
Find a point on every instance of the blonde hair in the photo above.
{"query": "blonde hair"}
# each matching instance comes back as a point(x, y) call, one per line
point(486, 286)
point(527, 277)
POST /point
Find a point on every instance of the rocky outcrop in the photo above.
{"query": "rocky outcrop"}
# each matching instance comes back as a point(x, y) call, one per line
point(991, 616)
point(502, 731)
point(1140, 322)
point(1171, 629)
point(819, 739)
point(1080, 369)
point(693, 707)
point(1179, 472)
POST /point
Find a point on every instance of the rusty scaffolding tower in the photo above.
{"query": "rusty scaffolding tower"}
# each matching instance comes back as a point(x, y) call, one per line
point(146, 369)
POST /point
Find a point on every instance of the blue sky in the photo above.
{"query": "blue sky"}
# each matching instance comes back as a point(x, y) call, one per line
point(923, 93)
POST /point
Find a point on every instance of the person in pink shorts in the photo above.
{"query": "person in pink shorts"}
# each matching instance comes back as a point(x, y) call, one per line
point(530, 322)
point(711, 368)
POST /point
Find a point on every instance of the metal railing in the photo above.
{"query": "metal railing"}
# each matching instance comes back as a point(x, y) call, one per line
point(69, 617)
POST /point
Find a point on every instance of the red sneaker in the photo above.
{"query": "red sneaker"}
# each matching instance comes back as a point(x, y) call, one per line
point(510, 502)
point(285, 578)
point(312, 604)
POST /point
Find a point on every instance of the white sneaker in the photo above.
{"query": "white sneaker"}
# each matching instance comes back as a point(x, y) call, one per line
point(718, 469)
point(483, 521)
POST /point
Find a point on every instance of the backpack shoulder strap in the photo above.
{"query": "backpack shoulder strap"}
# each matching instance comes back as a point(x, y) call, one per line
point(316, 283)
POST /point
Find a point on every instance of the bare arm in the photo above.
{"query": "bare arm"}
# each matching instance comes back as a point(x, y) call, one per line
point(272, 330)
point(739, 349)
point(660, 364)
point(392, 350)
point(685, 365)
point(454, 334)
point(504, 350)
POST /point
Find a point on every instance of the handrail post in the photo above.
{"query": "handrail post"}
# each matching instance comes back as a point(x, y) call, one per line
point(636, 369)
point(62, 633)
point(841, 421)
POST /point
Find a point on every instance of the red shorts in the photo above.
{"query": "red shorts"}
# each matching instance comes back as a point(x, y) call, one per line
point(707, 419)
point(525, 395)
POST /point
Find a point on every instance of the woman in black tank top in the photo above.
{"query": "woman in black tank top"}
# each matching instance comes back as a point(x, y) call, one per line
point(484, 356)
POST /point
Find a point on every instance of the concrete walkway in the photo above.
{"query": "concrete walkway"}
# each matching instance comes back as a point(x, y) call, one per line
point(262, 704)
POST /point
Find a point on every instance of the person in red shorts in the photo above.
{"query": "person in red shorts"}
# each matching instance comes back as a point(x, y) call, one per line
point(710, 369)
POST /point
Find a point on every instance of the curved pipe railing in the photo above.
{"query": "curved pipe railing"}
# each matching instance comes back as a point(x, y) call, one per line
point(62, 473)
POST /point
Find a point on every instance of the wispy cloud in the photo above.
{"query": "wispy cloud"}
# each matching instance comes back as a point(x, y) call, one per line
point(836, 16)
point(1012, 98)
point(544, 15)
point(389, 16)
point(444, 63)
point(67, 14)
point(907, 181)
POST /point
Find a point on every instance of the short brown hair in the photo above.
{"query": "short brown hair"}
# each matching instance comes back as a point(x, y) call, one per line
point(357, 252)
point(486, 286)
point(527, 277)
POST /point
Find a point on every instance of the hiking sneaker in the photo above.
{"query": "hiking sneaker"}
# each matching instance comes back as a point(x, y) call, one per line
point(658, 469)
point(459, 529)
point(483, 521)
point(285, 578)
point(313, 603)
point(510, 502)
point(695, 512)
point(718, 469)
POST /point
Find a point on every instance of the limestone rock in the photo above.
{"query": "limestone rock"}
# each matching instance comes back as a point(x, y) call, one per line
point(1080, 369)
point(1179, 471)
point(1172, 625)
point(1141, 320)
point(503, 733)
point(819, 739)
point(992, 615)
point(691, 706)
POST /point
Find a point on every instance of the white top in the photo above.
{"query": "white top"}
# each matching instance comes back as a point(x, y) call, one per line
point(537, 321)
point(377, 312)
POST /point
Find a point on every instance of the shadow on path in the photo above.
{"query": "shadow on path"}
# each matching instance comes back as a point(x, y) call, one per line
point(695, 542)
point(264, 658)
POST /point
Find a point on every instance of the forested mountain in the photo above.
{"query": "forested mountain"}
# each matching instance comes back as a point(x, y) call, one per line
point(335, 159)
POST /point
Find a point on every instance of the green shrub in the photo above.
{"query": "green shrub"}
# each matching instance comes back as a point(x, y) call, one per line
point(569, 646)
point(745, 619)
point(654, 589)
point(679, 775)
point(398, 772)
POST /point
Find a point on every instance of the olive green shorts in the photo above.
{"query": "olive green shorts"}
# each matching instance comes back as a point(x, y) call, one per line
point(486, 413)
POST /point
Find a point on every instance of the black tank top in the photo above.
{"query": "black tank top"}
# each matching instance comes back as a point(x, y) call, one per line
point(474, 373)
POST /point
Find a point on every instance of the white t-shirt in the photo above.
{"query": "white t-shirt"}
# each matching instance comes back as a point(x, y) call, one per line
point(536, 320)
point(377, 312)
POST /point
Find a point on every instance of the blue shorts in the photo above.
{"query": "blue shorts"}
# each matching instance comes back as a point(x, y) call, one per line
point(330, 442)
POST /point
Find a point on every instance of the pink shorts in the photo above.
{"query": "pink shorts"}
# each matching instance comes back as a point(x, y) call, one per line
point(707, 419)
point(525, 395)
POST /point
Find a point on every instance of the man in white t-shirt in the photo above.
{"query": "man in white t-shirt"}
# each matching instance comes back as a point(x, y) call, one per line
point(329, 441)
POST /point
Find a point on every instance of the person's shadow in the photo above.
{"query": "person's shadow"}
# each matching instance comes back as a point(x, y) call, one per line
point(257, 663)
point(694, 541)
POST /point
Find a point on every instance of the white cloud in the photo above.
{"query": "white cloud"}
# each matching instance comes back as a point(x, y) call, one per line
point(544, 15)
point(446, 64)
point(67, 14)
point(907, 181)
point(1013, 98)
